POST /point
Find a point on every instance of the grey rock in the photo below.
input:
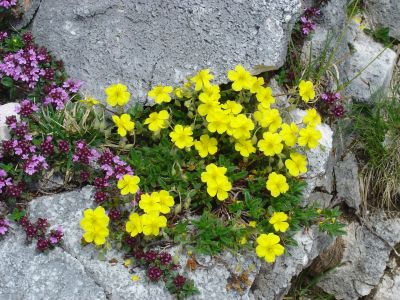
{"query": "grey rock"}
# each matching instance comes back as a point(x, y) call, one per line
point(273, 281)
point(320, 199)
point(66, 210)
point(27, 274)
point(347, 181)
point(143, 43)
point(389, 287)
point(365, 255)
point(374, 61)
point(6, 110)
point(28, 9)
point(328, 32)
point(385, 13)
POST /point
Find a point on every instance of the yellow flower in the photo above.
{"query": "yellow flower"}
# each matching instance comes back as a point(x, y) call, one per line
point(210, 93)
point(202, 79)
point(150, 203)
point(182, 136)
point(212, 171)
point(289, 134)
point(157, 120)
point(241, 126)
point(160, 94)
point(128, 184)
point(312, 118)
point(256, 84)
point(178, 93)
point(277, 184)
point(243, 240)
point(166, 201)
point(297, 165)
point(264, 96)
point(253, 224)
point(241, 78)
point(90, 101)
point(309, 137)
point(217, 183)
point(124, 124)
point(134, 225)
point(269, 247)
point(217, 121)
point(206, 145)
point(127, 262)
point(271, 144)
point(135, 278)
point(232, 107)
point(117, 94)
point(207, 106)
point(278, 220)
point(152, 223)
point(245, 147)
point(219, 187)
point(268, 118)
point(306, 90)
point(95, 224)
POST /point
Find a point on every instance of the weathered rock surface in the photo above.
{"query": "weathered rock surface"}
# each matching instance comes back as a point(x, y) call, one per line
point(143, 43)
point(6, 110)
point(375, 62)
point(273, 281)
point(385, 13)
point(364, 257)
point(26, 274)
point(111, 279)
point(389, 287)
point(347, 181)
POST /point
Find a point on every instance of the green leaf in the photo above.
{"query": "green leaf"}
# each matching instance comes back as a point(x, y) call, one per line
point(7, 82)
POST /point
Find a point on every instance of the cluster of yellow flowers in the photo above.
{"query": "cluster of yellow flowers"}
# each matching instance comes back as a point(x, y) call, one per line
point(217, 182)
point(212, 117)
point(95, 224)
point(229, 118)
point(152, 204)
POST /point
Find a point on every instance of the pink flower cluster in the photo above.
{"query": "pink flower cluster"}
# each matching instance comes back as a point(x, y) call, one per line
point(24, 65)
point(112, 167)
point(22, 146)
point(331, 100)
point(306, 23)
point(8, 3)
point(4, 180)
point(38, 230)
point(26, 108)
point(4, 225)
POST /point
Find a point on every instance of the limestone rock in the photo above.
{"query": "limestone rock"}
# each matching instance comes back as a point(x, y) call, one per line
point(66, 209)
point(365, 255)
point(347, 181)
point(144, 43)
point(273, 281)
point(6, 110)
point(27, 274)
point(378, 74)
point(389, 287)
point(385, 13)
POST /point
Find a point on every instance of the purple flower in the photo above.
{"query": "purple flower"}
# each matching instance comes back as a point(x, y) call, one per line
point(57, 97)
point(4, 225)
point(72, 85)
point(8, 3)
point(26, 108)
point(56, 236)
point(312, 12)
point(35, 164)
point(330, 97)
point(307, 26)
point(3, 35)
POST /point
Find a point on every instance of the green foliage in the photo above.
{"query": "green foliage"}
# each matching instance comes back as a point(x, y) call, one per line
point(381, 35)
point(212, 235)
